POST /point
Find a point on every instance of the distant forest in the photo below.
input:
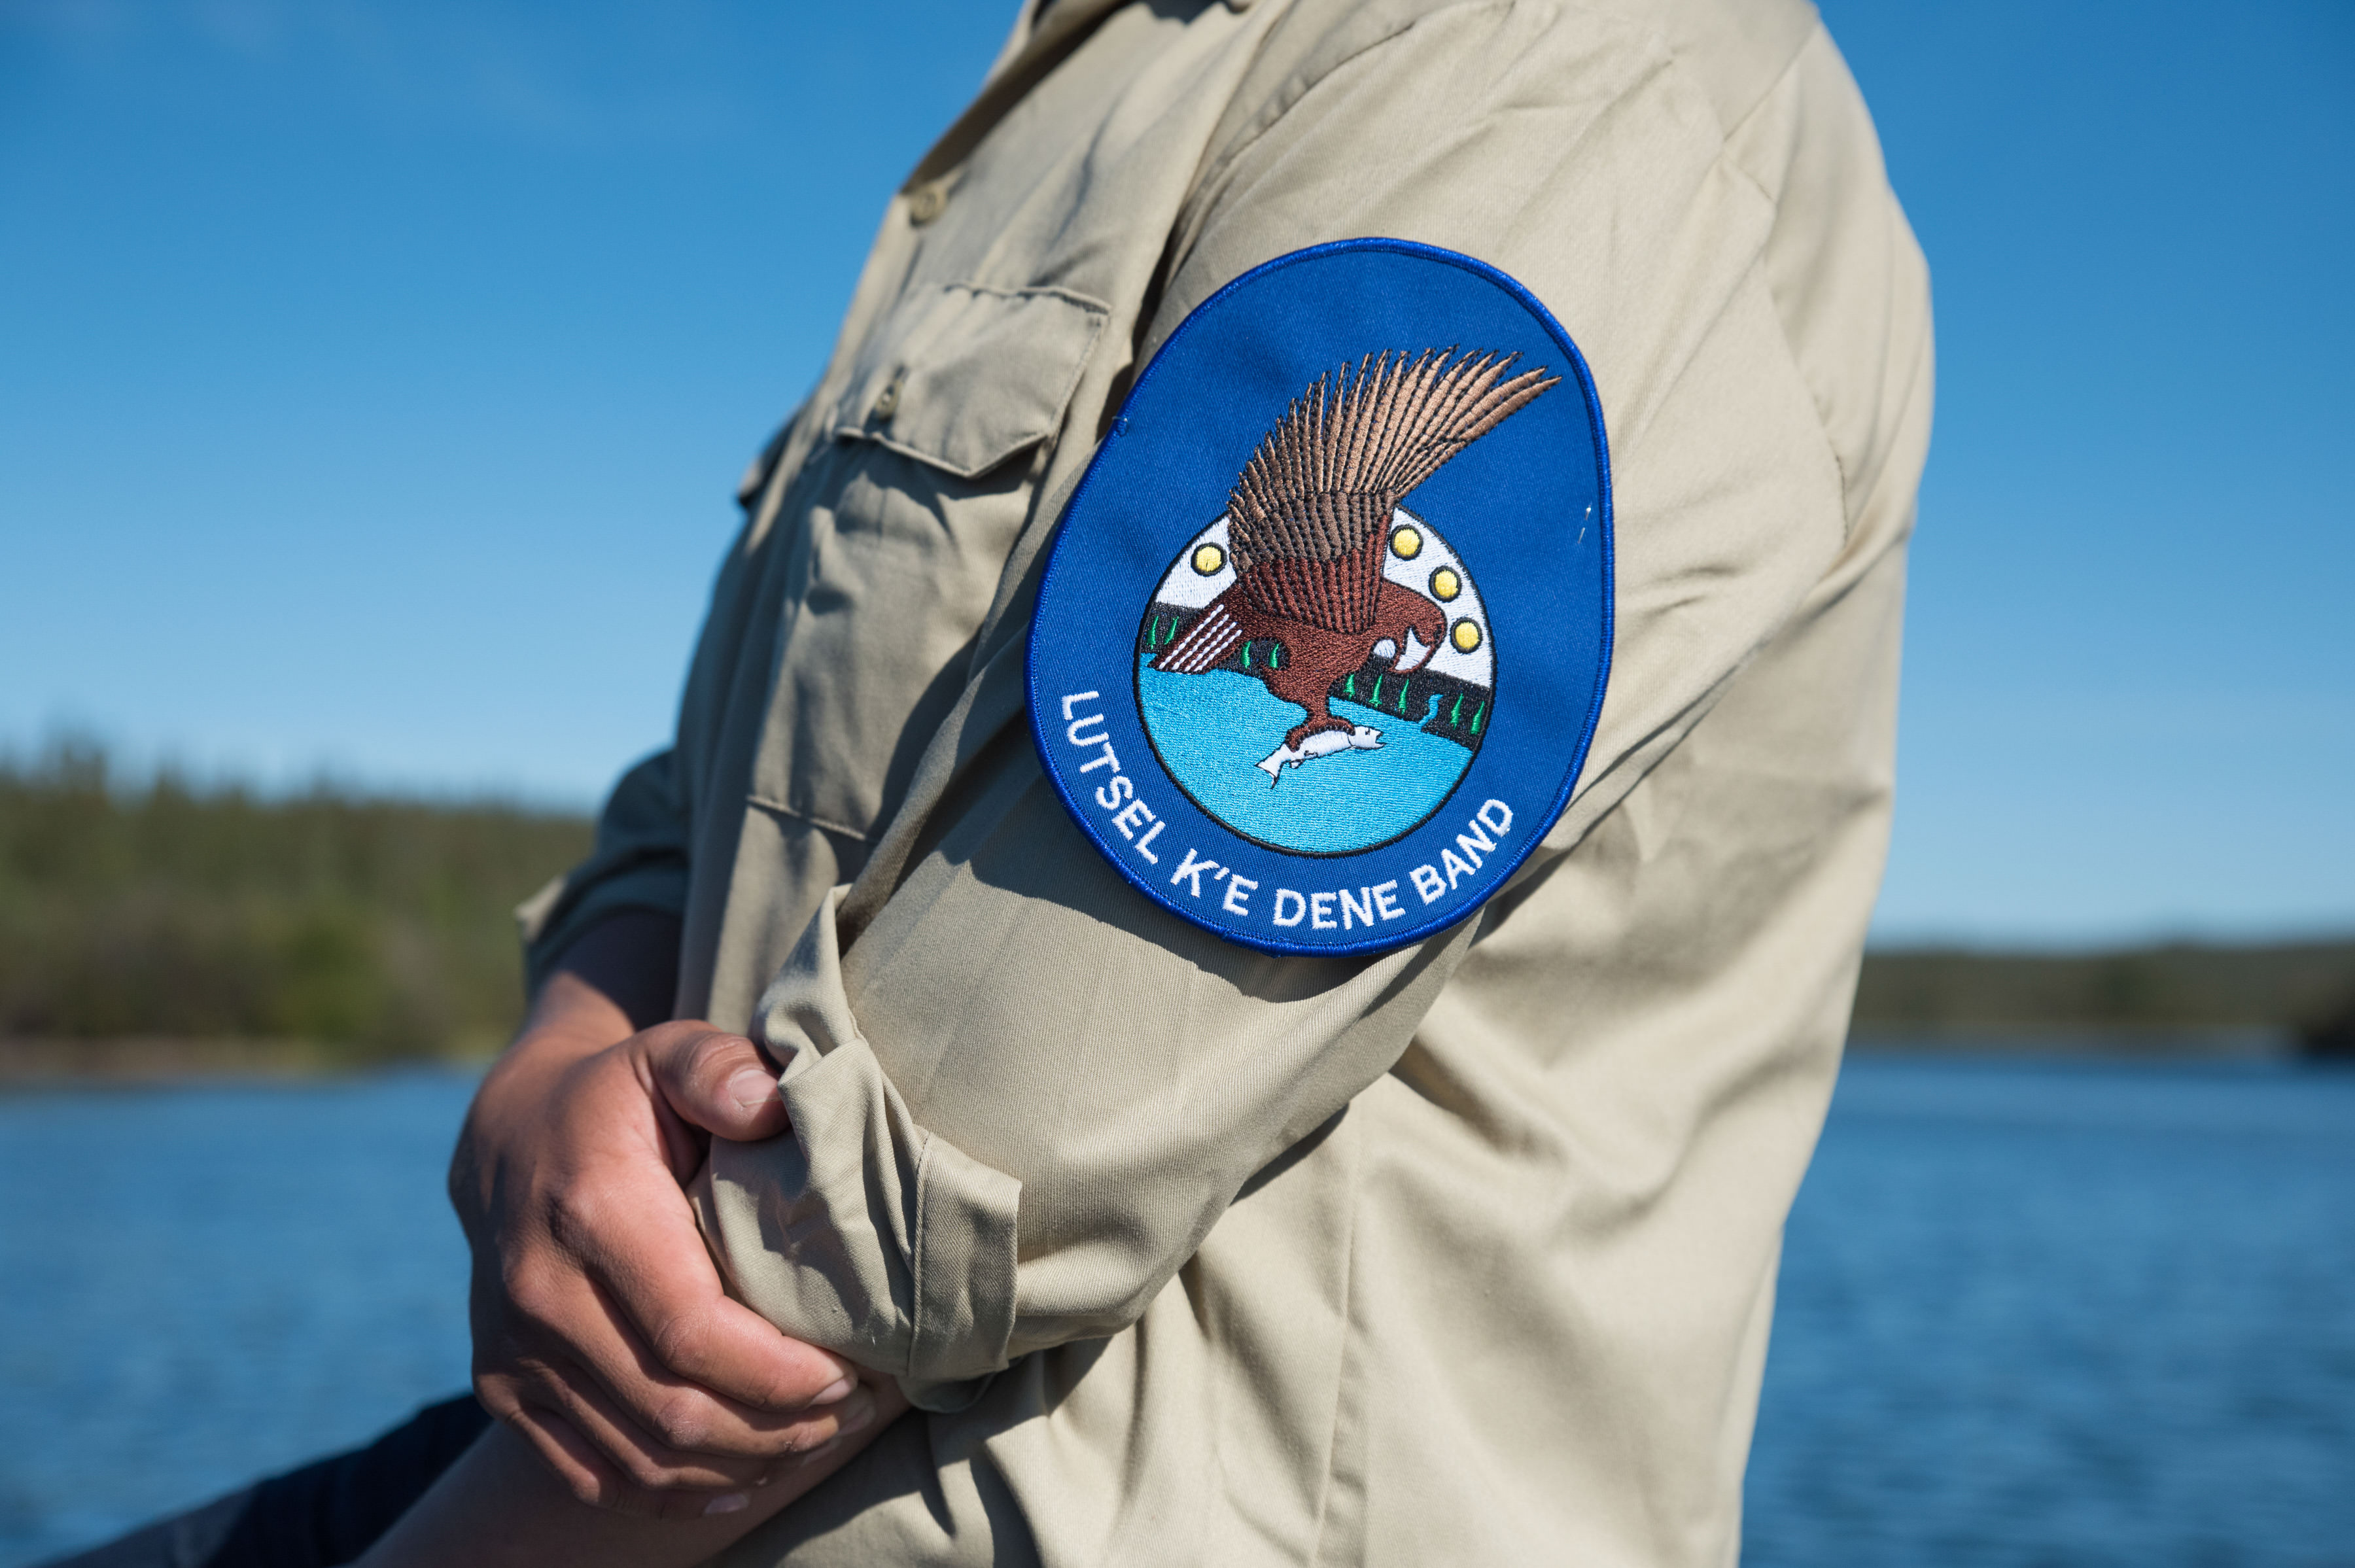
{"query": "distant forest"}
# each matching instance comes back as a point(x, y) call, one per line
point(321, 928)
point(151, 925)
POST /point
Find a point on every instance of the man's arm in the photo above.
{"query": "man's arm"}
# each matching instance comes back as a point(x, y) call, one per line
point(1020, 1096)
point(498, 1507)
point(602, 1333)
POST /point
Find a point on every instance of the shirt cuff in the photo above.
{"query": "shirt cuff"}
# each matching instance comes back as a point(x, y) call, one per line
point(860, 1231)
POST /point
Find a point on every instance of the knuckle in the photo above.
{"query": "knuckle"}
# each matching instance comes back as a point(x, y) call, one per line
point(678, 1339)
point(681, 1422)
point(495, 1390)
point(533, 1290)
point(648, 1473)
point(574, 1210)
point(588, 1489)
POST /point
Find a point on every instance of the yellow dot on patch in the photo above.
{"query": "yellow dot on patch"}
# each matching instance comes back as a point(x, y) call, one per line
point(1208, 559)
point(1445, 585)
point(1467, 635)
point(1406, 543)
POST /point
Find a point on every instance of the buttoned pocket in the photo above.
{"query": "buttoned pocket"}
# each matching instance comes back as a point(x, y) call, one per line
point(909, 514)
point(965, 378)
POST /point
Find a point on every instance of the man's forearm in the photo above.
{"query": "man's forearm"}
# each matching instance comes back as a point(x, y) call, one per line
point(498, 1507)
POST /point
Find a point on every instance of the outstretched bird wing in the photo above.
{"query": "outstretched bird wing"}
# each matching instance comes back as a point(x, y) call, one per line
point(1375, 434)
point(1307, 516)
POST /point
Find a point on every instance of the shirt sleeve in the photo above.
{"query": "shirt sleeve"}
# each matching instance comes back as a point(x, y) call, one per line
point(639, 862)
point(1020, 1093)
point(644, 833)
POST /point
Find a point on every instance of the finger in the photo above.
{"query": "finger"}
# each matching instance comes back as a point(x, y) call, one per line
point(642, 1459)
point(587, 1474)
point(716, 1081)
point(655, 1467)
point(592, 1478)
point(639, 1246)
point(661, 1428)
point(560, 1340)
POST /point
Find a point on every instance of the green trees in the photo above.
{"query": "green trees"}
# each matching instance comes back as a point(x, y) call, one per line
point(366, 928)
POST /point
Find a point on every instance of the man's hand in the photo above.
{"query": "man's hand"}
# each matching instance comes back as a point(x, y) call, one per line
point(601, 1330)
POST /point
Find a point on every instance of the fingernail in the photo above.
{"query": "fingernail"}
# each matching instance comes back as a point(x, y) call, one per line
point(752, 1089)
point(839, 1389)
point(727, 1502)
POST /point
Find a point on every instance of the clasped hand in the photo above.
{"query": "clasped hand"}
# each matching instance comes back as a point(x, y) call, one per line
point(601, 1331)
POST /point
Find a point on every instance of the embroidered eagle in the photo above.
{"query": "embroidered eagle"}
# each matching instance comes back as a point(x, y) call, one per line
point(1308, 523)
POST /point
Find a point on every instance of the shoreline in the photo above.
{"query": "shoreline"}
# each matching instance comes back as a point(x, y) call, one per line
point(148, 1062)
point(50, 1064)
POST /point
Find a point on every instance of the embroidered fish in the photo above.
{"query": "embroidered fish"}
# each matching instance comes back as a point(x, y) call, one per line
point(1323, 744)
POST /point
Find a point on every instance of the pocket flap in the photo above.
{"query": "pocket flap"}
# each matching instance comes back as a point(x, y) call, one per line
point(963, 378)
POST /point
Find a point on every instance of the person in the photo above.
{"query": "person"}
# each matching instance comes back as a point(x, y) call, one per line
point(1180, 1250)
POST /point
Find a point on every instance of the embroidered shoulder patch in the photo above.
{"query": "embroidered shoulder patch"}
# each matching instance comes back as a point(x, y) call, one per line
point(1323, 639)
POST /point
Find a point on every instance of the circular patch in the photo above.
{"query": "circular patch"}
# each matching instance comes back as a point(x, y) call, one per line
point(1322, 642)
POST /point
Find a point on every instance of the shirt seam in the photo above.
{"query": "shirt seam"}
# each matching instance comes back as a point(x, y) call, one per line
point(916, 1327)
point(1741, 169)
point(779, 809)
point(1208, 175)
point(1341, 1372)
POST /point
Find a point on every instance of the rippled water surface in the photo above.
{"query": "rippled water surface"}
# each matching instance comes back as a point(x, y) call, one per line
point(2067, 1313)
point(2032, 1313)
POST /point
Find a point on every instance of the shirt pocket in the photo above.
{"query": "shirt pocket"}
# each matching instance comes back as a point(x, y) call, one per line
point(963, 378)
point(909, 511)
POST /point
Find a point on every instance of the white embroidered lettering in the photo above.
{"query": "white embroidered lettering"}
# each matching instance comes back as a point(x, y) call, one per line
point(1499, 823)
point(1298, 907)
point(1075, 698)
point(1386, 905)
point(1320, 912)
point(1191, 869)
point(1354, 910)
point(1134, 816)
point(1150, 834)
point(1456, 868)
point(1429, 883)
point(1113, 793)
point(1238, 899)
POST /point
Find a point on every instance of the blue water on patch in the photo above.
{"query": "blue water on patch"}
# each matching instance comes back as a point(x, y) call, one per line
point(1213, 730)
point(2031, 1312)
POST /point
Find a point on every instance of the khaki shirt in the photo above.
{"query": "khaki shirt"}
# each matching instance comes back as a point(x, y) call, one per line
point(1192, 1254)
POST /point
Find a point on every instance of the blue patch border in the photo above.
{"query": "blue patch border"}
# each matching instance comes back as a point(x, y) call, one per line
point(1497, 868)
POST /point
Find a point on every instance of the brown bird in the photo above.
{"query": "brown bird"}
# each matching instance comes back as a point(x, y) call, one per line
point(1308, 521)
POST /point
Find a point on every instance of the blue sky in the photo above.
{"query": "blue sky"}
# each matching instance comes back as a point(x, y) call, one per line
point(374, 377)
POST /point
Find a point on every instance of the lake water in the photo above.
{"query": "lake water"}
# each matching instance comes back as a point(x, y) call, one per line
point(2032, 1313)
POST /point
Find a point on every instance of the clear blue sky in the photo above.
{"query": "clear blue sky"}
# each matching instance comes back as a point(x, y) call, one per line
point(374, 375)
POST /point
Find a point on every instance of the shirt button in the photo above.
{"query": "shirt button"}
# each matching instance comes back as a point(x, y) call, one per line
point(887, 401)
point(924, 202)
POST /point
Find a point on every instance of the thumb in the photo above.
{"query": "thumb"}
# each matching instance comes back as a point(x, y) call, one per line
point(718, 1082)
